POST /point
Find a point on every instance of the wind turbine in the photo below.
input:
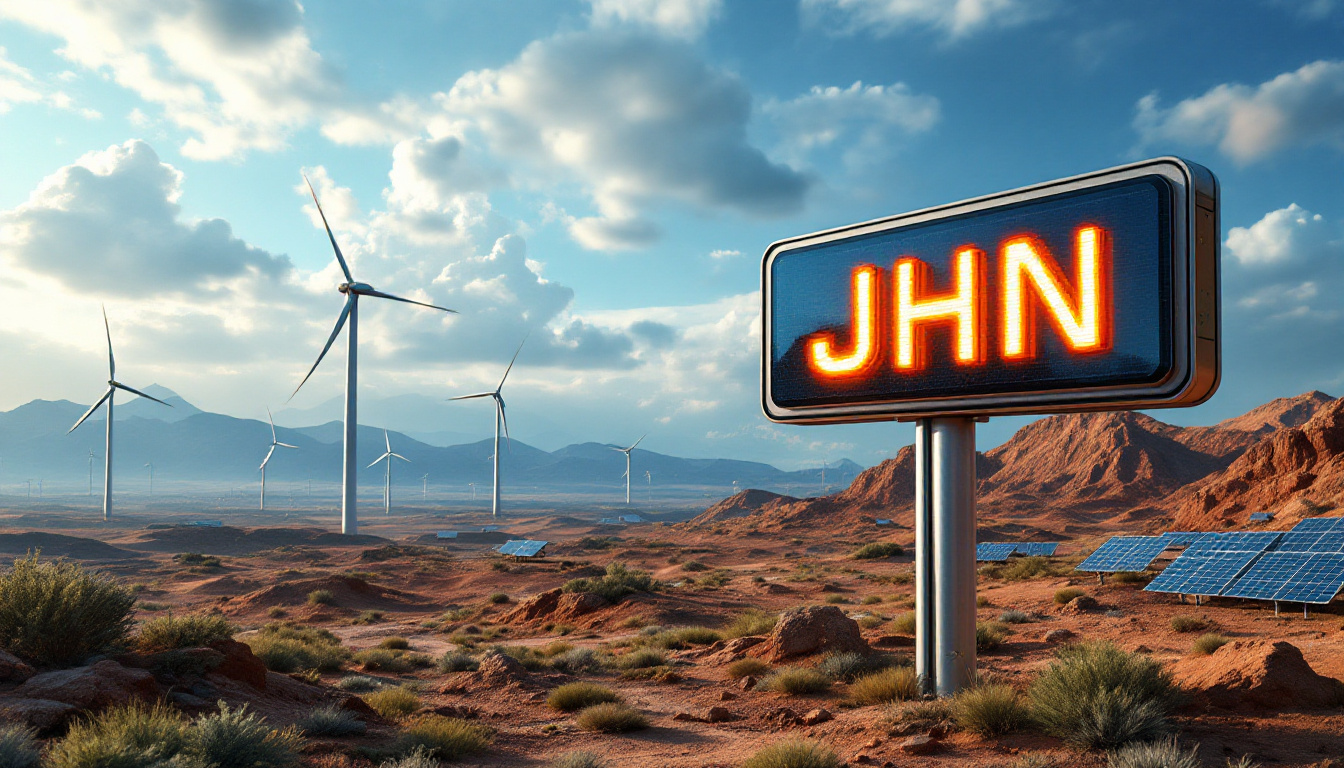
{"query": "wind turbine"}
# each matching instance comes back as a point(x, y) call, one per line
point(387, 484)
point(275, 442)
point(500, 420)
point(352, 291)
point(112, 386)
point(627, 451)
point(424, 488)
point(91, 458)
point(150, 464)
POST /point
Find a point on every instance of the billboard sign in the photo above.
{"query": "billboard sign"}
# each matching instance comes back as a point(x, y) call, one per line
point(1097, 292)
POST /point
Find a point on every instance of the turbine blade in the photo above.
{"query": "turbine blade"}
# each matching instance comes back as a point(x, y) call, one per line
point(111, 361)
point(271, 419)
point(640, 440)
point(387, 441)
point(286, 445)
point(268, 458)
point(470, 397)
point(93, 408)
point(511, 362)
point(340, 323)
point(504, 417)
point(380, 458)
point(138, 392)
point(618, 450)
point(399, 456)
point(382, 295)
point(345, 268)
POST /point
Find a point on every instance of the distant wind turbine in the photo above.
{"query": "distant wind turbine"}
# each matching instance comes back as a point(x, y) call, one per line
point(424, 488)
point(150, 464)
point(275, 443)
point(92, 456)
point(387, 484)
point(500, 421)
point(627, 451)
point(112, 386)
point(352, 290)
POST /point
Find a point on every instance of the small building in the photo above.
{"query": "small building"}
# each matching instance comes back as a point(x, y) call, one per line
point(446, 534)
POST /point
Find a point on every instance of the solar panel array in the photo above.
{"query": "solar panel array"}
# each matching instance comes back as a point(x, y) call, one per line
point(994, 552)
point(1212, 562)
point(1037, 548)
point(1124, 553)
point(522, 547)
point(1322, 524)
point(446, 534)
point(1181, 538)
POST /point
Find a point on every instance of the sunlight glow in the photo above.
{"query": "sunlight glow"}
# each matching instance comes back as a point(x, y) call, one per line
point(1083, 323)
point(823, 357)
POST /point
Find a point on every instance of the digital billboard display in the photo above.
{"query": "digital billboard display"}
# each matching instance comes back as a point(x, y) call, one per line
point(1096, 292)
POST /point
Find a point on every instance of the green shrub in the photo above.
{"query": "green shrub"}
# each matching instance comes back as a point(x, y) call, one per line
point(1068, 595)
point(18, 747)
point(1014, 616)
point(611, 718)
point(418, 757)
point(641, 659)
point(1208, 643)
point(1096, 695)
point(576, 661)
point(990, 635)
point(448, 738)
point(659, 674)
point(895, 684)
point(331, 721)
point(871, 600)
point(1183, 623)
point(871, 621)
point(1166, 753)
point(1024, 568)
point(276, 612)
point(458, 661)
point(393, 702)
point(555, 648)
point(368, 617)
point(848, 666)
point(358, 684)
point(321, 597)
point(795, 681)
point(749, 623)
point(836, 599)
point(747, 668)
point(575, 696)
point(990, 710)
point(579, 760)
point(618, 582)
point(168, 633)
point(132, 736)
point(694, 566)
point(198, 560)
point(696, 635)
point(56, 613)
point(904, 623)
point(878, 549)
point(290, 648)
point(795, 753)
point(1132, 577)
point(235, 738)
point(498, 598)
point(395, 643)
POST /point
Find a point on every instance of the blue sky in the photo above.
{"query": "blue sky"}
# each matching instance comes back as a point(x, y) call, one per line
point(604, 176)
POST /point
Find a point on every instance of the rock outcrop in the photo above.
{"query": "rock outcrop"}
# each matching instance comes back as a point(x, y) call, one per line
point(1267, 674)
point(807, 631)
point(102, 684)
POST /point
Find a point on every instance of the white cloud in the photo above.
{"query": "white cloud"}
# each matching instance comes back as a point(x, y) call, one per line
point(953, 18)
point(677, 18)
point(19, 86)
point(1289, 264)
point(723, 254)
point(634, 121)
point(864, 121)
point(1300, 108)
point(1279, 237)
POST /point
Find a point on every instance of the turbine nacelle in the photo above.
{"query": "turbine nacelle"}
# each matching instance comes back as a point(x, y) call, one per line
point(357, 288)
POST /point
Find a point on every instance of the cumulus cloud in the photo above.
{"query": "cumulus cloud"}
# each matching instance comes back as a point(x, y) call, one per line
point(1282, 236)
point(862, 120)
point(1290, 263)
point(110, 223)
point(953, 18)
point(677, 18)
point(19, 86)
point(237, 75)
point(633, 120)
point(1300, 108)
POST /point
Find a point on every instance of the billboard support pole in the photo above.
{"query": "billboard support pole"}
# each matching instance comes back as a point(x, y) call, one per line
point(945, 576)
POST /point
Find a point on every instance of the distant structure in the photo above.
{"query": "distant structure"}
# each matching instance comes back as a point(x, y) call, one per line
point(627, 451)
point(205, 524)
point(112, 386)
point(352, 290)
point(523, 549)
point(1261, 517)
point(387, 483)
point(275, 443)
point(91, 458)
point(501, 420)
point(424, 487)
point(149, 464)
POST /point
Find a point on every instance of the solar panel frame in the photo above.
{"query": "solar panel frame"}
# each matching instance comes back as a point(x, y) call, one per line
point(1037, 548)
point(1321, 524)
point(1181, 538)
point(1268, 575)
point(994, 551)
point(1123, 553)
point(1317, 581)
point(529, 548)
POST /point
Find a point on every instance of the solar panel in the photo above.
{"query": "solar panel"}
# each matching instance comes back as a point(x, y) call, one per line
point(1233, 541)
point(446, 534)
point(882, 521)
point(509, 547)
point(996, 552)
point(1329, 542)
point(1123, 553)
point(1317, 581)
point(1037, 548)
point(1294, 541)
point(529, 548)
point(1206, 573)
point(1268, 575)
point(1181, 538)
point(1321, 524)
point(1260, 517)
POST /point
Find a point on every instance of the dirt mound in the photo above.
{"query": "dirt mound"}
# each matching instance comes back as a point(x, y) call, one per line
point(740, 505)
point(348, 592)
point(1257, 673)
point(59, 545)
point(811, 630)
point(227, 540)
point(224, 585)
point(1295, 471)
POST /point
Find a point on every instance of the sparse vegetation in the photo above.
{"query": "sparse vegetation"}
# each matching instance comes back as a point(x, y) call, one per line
point(849, 666)
point(1024, 568)
point(990, 635)
point(168, 633)
point(641, 659)
point(498, 598)
point(393, 702)
point(1208, 643)
point(458, 661)
point(418, 757)
point(1068, 595)
point(358, 684)
point(1014, 616)
point(888, 685)
point(990, 710)
point(198, 560)
point(878, 549)
point(871, 600)
point(395, 643)
point(18, 747)
point(236, 738)
point(276, 612)
point(321, 597)
point(576, 661)
point(750, 622)
point(748, 668)
point(795, 681)
point(133, 736)
point(572, 697)
point(579, 759)
point(56, 613)
point(693, 566)
point(836, 599)
point(618, 582)
point(1132, 577)
point(1166, 753)
point(331, 721)
point(870, 621)
point(447, 738)
point(368, 617)
point(1184, 623)
point(795, 753)
point(290, 648)
point(1096, 695)
point(611, 718)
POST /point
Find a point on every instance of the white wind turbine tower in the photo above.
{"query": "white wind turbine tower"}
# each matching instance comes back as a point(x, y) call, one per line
point(352, 291)
point(627, 451)
point(150, 464)
point(500, 421)
point(387, 484)
point(112, 386)
point(275, 443)
point(92, 456)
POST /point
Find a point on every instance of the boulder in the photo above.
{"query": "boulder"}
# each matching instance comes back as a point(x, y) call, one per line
point(812, 630)
point(1081, 604)
point(103, 684)
point(818, 716)
point(240, 664)
point(12, 669)
point(919, 744)
point(729, 651)
point(42, 715)
point(1267, 674)
point(1058, 636)
point(720, 715)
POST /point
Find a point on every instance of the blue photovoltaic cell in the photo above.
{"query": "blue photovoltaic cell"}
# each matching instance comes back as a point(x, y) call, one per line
point(1037, 548)
point(1329, 542)
point(1267, 577)
point(994, 551)
point(529, 548)
point(1318, 581)
point(1181, 538)
point(1123, 553)
point(1202, 573)
point(1321, 524)
point(1295, 541)
point(446, 534)
point(508, 547)
point(1233, 541)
